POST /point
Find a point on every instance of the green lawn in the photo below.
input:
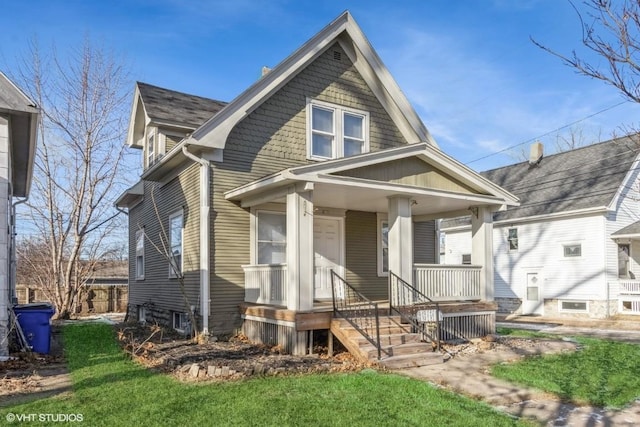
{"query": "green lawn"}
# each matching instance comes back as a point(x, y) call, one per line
point(602, 373)
point(111, 390)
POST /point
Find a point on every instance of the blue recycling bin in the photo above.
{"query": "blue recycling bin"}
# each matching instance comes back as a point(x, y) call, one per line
point(35, 321)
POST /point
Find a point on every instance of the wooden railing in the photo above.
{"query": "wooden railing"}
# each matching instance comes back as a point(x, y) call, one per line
point(448, 282)
point(265, 284)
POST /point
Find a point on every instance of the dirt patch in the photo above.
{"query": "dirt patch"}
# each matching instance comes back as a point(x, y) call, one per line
point(235, 358)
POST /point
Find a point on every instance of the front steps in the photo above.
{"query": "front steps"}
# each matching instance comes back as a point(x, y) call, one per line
point(400, 348)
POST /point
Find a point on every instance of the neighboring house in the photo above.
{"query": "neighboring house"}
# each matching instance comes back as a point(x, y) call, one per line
point(18, 129)
point(572, 247)
point(321, 165)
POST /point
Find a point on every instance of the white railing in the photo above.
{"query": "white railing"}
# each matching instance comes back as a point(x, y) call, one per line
point(265, 284)
point(442, 282)
point(629, 287)
point(627, 292)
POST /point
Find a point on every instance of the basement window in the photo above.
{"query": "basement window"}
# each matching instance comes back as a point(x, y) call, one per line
point(180, 322)
point(142, 314)
point(574, 306)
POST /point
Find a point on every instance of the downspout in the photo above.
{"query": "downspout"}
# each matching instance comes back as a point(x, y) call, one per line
point(204, 236)
point(12, 255)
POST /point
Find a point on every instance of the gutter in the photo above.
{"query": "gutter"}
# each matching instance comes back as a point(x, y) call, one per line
point(205, 197)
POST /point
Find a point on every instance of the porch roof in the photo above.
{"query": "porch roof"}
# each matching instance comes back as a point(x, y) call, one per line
point(333, 188)
point(631, 231)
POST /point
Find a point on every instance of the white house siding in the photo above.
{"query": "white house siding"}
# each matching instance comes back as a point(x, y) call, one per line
point(541, 249)
point(5, 199)
point(625, 212)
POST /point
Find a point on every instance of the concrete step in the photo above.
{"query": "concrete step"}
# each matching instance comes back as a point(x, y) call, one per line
point(411, 360)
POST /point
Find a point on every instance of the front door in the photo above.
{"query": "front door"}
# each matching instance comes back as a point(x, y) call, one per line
point(328, 248)
point(532, 302)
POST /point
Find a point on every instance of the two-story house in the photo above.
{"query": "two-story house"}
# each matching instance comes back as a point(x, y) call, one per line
point(318, 180)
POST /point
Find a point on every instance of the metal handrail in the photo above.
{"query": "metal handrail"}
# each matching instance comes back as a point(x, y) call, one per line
point(356, 309)
point(410, 301)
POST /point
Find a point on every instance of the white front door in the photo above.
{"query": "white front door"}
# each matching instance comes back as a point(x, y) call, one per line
point(532, 301)
point(328, 248)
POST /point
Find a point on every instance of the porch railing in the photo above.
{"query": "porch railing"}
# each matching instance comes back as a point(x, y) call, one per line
point(415, 307)
point(362, 313)
point(627, 292)
point(265, 284)
point(448, 282)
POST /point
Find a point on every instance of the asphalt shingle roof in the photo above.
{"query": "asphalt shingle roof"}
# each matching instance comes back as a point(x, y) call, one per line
point(586, 177)
point(170, 106)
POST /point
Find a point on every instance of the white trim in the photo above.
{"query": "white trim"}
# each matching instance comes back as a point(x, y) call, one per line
point(342, 255)
point(632, 175)
point(570, 257)
point(337, 135)
point(380, 219)
point(172, 273)
point(184, 320)
point(254, 233)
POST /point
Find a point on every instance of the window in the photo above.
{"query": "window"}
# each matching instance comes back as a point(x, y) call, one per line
point(623, 261)
point(272, 238)
point(181, 322)
point(513, 239)
point(142, 314)
point(383, 246)
point(335, 131)
point(151, 157)
point(466, 259)
point(175, 244)
point(572, 251)
point(140, 254)
point(574, 306)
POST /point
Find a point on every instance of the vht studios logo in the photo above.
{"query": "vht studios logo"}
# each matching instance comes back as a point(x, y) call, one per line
point(44, 418)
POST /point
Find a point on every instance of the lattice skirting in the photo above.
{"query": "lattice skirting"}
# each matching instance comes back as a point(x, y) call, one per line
point(273, 332)
point(465, 326)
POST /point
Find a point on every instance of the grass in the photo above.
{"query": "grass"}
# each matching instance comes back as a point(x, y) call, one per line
point(601, 373)
point(111, 390)
point(523, 333)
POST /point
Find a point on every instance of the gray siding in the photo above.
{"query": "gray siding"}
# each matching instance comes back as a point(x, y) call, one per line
point(157, 289)
point(362, 254)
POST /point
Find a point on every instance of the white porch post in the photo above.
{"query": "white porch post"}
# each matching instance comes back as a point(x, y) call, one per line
point(482, 248)
point(300, 271)
point(401, 238)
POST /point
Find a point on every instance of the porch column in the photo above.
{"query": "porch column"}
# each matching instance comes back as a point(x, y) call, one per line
point(300, 271)
point(401, 238)
point(482, 248)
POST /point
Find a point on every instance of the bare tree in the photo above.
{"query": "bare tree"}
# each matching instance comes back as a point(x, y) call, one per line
point(611, 30)
point(78, 167)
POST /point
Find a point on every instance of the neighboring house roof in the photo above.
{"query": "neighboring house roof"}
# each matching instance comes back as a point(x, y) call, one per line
point(172, 107)
point(24, 116)
point(584, 178)
point(630, 231)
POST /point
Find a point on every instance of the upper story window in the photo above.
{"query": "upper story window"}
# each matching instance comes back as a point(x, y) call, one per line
point(573, 251)
point(334, 131)
point(151, 152)
point(513, 239)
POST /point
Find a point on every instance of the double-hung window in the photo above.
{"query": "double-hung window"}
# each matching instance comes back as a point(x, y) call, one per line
point(335, 131)
point(272, 238)
point(140, 254)
point(151, 152)
point(176, 228)
point(383, 245)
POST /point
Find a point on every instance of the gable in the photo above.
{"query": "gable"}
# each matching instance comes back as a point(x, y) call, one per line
point(410, 171)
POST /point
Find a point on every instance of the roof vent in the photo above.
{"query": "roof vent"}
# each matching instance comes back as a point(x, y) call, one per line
point(265, 70)
point(536, 153)
point(337, 55)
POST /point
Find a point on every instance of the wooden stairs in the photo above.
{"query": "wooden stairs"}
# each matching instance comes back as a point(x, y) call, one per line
point(400, 348)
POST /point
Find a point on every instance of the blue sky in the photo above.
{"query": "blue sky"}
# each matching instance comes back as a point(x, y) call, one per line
point(468, 67)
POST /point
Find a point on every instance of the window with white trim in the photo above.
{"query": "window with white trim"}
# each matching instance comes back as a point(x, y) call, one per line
point(624, 250)
point(383, 246)
point(151, 152)
point(180, 322)
point(466, 259)
point(271, 238)
point(140, 254)
point(573, 251)
point(513, 239)
point(574, 306)
point(335, 131)
point(176, 231)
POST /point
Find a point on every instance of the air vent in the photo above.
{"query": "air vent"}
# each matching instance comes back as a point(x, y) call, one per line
point(337, 55)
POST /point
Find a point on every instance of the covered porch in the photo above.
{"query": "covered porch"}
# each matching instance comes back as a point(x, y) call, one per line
point(623, 294)
point(363, 218)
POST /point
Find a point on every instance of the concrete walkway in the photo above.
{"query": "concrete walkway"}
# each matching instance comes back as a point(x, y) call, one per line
point(469, 375)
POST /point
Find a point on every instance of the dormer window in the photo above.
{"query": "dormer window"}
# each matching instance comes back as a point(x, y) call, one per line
point(335, 131)
point(151, 154)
